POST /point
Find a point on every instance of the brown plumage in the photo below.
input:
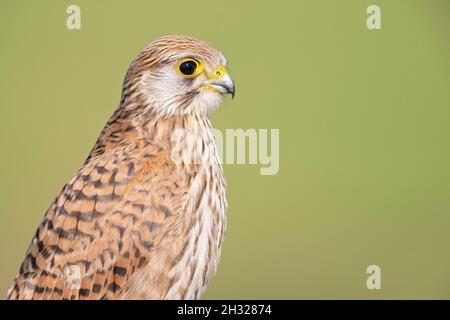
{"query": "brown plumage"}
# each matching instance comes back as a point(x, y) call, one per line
point(144, 217)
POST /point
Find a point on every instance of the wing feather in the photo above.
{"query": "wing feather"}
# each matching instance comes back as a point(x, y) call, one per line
point(103, 226)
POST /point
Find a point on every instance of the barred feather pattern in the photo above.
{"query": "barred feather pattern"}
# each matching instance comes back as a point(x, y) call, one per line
point(133, 223)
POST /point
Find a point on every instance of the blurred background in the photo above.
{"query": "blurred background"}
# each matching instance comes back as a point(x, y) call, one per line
point(363, 115)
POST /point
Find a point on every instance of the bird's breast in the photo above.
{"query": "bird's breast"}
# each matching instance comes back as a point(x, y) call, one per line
point(185, 260)
point(204, 235)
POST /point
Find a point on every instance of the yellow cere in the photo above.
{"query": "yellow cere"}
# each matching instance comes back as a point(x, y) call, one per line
point(219, 72)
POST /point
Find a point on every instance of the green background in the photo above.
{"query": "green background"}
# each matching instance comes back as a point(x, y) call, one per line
point(364, 133)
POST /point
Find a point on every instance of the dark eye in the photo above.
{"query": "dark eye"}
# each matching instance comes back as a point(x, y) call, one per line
point(188, 67)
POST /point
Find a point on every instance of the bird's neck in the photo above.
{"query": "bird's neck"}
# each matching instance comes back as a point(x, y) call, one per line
point(184, 134)
point(167, 130)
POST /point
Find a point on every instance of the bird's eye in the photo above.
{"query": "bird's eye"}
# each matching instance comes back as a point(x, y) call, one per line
point(189, 67)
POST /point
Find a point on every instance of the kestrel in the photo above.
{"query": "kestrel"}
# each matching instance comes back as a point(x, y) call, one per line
point(145, 215)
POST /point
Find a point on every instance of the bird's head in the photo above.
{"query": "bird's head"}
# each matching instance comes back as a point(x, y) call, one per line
point(179, 75)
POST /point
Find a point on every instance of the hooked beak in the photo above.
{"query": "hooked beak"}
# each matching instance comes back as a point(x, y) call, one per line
point(224, 85)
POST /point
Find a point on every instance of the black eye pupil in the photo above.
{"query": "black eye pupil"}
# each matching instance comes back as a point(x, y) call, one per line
point(188, 67)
